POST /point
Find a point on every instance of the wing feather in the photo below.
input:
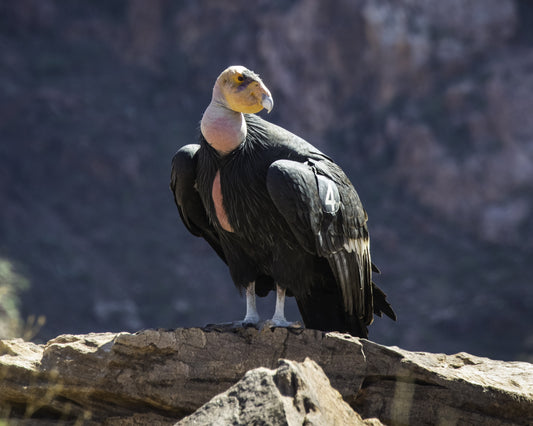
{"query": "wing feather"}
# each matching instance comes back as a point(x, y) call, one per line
point(188, 201)
point(335, 232)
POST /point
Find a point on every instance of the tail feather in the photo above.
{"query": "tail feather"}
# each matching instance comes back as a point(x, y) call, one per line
point(333, 319)
point(323, 309)
point(381, 305)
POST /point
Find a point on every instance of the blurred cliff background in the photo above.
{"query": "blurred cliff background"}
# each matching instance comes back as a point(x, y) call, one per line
point(426, 104)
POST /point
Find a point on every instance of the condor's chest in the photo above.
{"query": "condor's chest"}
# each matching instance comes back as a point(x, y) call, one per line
point(217, 199)
point(236, 196)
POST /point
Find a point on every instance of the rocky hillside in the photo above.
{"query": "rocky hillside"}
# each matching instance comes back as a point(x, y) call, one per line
point(246, 376)
point(425, 104)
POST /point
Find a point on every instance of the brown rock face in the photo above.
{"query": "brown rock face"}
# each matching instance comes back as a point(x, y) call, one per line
point(161, 376)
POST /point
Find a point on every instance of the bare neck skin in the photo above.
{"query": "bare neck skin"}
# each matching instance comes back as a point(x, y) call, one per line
point(223, 128)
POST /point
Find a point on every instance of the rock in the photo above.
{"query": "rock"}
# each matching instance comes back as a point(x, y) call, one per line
point(158, 377)
point(293, 394)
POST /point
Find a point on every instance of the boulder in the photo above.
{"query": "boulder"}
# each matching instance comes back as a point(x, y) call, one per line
point(161, 376)
point(293, 394)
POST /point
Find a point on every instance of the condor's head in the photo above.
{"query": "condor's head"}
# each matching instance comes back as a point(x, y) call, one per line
point(237, 91)
point(241, 90)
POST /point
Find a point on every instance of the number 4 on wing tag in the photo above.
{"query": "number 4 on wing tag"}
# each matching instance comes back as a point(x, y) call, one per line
point(329, 195)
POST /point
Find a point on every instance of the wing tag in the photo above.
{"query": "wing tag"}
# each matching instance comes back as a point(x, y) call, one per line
point(329, 195)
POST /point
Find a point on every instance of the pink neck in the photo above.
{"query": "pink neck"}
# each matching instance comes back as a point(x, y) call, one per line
point(223, 128)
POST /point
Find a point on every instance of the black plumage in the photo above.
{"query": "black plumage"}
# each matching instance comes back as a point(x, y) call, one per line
point(297, 221)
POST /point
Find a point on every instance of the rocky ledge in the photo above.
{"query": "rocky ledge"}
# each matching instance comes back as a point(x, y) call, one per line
point(245, 376)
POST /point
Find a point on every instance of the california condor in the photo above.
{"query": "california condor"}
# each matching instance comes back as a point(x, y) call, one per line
point(279, 212)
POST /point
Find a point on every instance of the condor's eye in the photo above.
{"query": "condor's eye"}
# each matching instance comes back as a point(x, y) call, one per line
point(240, 78)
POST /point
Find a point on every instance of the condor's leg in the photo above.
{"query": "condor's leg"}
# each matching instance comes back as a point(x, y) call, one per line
point(278, 320)
point(250, 319)
point(252, 316)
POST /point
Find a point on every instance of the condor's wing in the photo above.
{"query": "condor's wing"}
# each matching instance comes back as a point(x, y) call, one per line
point(190, 206)
point(325, 214)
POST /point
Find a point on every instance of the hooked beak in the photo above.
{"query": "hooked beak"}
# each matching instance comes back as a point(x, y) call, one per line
point(267, 102)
